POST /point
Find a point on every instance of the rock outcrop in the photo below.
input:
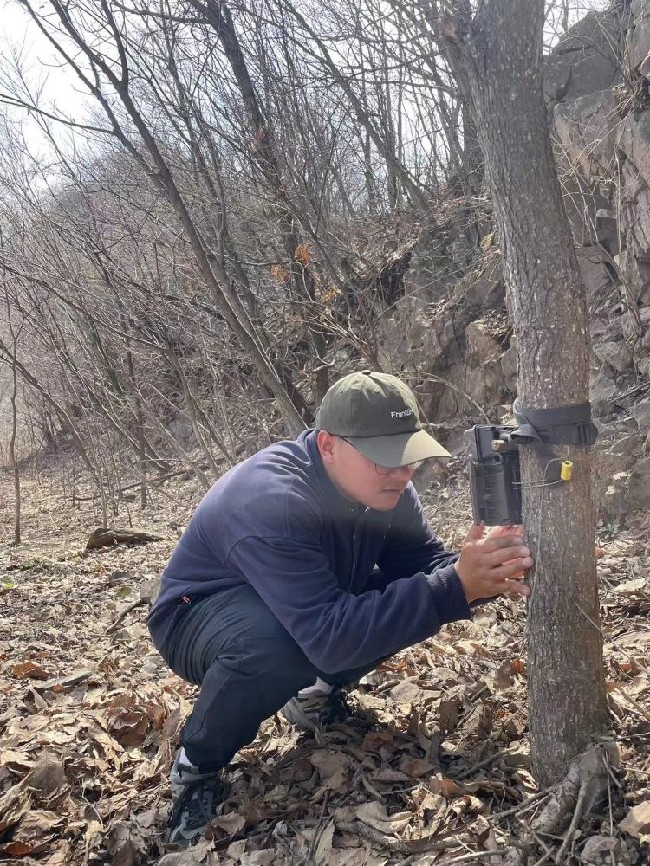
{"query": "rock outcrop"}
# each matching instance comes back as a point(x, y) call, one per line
point(451, 325)
point(597, 87)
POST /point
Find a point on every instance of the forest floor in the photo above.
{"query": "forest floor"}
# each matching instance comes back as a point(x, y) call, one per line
point(433, 768)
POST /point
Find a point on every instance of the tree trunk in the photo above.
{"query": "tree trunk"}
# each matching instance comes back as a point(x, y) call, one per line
point(13, 459)
point(497, 57)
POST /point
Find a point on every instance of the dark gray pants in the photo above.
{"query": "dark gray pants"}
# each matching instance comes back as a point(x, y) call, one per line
point(248, 666)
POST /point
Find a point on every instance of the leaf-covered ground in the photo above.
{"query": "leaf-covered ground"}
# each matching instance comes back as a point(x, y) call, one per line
point(432, 769)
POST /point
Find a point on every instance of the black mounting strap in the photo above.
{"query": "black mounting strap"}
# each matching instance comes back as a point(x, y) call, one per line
point(564, 425)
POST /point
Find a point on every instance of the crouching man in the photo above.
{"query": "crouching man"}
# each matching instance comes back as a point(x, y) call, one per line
point(301, 568)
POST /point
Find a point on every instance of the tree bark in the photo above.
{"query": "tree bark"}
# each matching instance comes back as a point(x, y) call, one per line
point(13, 459)
point(497, 56)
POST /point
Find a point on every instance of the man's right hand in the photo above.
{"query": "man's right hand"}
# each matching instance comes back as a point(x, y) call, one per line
point(493, 565)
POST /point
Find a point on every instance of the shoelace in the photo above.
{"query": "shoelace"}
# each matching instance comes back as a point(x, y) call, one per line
point(197, 805)
point(335, 708)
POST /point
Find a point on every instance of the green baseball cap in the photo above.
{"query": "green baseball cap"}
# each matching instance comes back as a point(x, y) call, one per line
point(379, 415)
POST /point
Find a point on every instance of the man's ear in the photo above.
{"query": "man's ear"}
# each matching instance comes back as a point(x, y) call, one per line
point(326, 443)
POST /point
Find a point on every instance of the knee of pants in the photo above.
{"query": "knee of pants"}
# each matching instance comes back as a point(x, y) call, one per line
point(277, 657)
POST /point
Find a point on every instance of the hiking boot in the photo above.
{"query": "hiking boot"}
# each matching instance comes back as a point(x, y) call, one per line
point(184, 772)
point(196, 798)
point(316, 707)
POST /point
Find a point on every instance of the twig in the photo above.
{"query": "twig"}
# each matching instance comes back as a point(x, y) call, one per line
point(547, 851)
point(396, 846)
point(157, 479)
point(476, 855)
point(609, 807)
point(639, 709)
point(524, 807)
point(570, 833)
point(481, 764)
point(120, 617)
point(319, 831)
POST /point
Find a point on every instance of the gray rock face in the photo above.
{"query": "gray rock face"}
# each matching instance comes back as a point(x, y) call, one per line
point(617, 355)
point(584, 60)
point(604, 128)
point(601, 393)
point(638, 38)
point(641, 414)
point(602, 122)
point(639, 485)
point(588, 129)
point(601, 126)
point(481, 345)
point(596, 270)
point(629, 490)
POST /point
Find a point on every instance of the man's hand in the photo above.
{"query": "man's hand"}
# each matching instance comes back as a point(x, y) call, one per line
point(493, 564)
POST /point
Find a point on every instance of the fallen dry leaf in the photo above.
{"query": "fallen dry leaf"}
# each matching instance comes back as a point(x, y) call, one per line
point(374, 814)
point(29, 670)
point(92, 742)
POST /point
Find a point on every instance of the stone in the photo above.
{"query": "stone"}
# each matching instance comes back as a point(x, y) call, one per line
point(617, 355)
point(510, 361)
point(150, 589)
point(643, 366)
point(584, 60)
point(588, 128)
point(635, 142)
point(596, 275)
point(608, 432)
point(628, 444)
point(639, 485)
point(431, 472)
point(510, 368)
point(645, 341)
point(581, 202)
point(607, 465)
point(629, 323)
point(425, 340)
point(504, 413)
point(607, 231)
point(602, 391)
point(601, 851)
point(481, 344)
point(638, 39)
point(641, 414)
point(485, 384)
point(615, 501)
point(637, 821)
point(637, 276)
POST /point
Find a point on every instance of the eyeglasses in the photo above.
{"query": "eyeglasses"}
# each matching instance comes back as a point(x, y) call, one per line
point(386, 470)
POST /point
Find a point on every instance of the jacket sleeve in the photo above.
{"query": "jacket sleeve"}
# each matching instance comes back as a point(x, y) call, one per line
point(335, 629)
point(410, 546)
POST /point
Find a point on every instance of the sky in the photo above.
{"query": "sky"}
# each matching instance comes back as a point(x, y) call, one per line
point(18, 34)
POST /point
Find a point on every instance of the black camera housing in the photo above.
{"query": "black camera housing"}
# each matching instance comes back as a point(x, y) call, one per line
point(495, 476)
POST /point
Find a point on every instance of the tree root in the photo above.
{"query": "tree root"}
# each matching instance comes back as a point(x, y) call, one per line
point(584, 786)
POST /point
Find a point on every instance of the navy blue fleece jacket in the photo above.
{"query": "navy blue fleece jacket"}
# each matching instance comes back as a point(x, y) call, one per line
point(277, 523)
